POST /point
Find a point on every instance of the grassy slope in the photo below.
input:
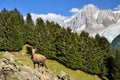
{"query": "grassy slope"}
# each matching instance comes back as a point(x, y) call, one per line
point(52, 66)
point(55, 67)
point(76, 74)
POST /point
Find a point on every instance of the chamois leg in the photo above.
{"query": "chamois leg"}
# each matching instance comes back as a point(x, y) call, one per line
point(34, 64)
point(44, 65)
point(38, 65)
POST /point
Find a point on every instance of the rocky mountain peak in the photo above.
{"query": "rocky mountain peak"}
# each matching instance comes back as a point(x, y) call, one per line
point(90, 8)
point(93, 20)
point(86, 17)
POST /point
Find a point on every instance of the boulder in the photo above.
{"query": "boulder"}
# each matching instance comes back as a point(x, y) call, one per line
point(9, 56)
point(63, 76)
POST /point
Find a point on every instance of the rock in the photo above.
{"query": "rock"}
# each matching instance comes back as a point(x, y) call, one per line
point(9, 56)
point(62, 75)
point(11, 76)
point(36, 78)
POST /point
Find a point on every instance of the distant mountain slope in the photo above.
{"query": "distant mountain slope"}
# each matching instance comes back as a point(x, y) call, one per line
point(116, 44)
point(94, 20)
point(110, 32)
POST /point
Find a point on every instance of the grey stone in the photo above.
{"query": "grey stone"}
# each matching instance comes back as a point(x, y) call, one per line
point(9, 56)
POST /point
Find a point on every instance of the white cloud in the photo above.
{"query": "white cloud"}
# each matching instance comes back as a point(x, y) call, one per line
point(50, 16)
point(117, 8)
point(74, 10)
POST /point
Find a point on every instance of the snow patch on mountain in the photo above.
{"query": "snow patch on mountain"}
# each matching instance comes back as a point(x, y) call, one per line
point(96, 15)
point(110, 33)
point(116, 11)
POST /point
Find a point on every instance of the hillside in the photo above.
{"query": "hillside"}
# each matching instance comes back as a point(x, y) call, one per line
point(116, 44)
point(76, 74)
point(22, 59)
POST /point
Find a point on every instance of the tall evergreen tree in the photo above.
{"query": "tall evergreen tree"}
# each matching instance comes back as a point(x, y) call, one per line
point(29, 20)
point(28, 30)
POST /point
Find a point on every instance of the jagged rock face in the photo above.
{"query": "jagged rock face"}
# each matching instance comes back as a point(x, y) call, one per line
point(91, 17)
point(84, 18)
point(93, 20)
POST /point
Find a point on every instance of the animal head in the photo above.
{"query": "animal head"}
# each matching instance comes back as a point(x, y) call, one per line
point(33, 50)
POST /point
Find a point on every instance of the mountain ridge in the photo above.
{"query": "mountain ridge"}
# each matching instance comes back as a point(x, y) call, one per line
point(95, 21)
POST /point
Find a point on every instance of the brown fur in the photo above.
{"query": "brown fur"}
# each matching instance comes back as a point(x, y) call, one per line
point(39, 59)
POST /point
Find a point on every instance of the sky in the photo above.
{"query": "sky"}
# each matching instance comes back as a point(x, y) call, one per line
point(56, 8)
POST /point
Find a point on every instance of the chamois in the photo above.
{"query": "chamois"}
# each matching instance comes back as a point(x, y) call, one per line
point(38, 59)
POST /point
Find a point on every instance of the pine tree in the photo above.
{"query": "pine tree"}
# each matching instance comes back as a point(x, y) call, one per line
point(28, 30)
point(29, 20)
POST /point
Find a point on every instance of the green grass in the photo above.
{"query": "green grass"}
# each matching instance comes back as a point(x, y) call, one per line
point(1, 53)
point(23, 60)
point(76, 74)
